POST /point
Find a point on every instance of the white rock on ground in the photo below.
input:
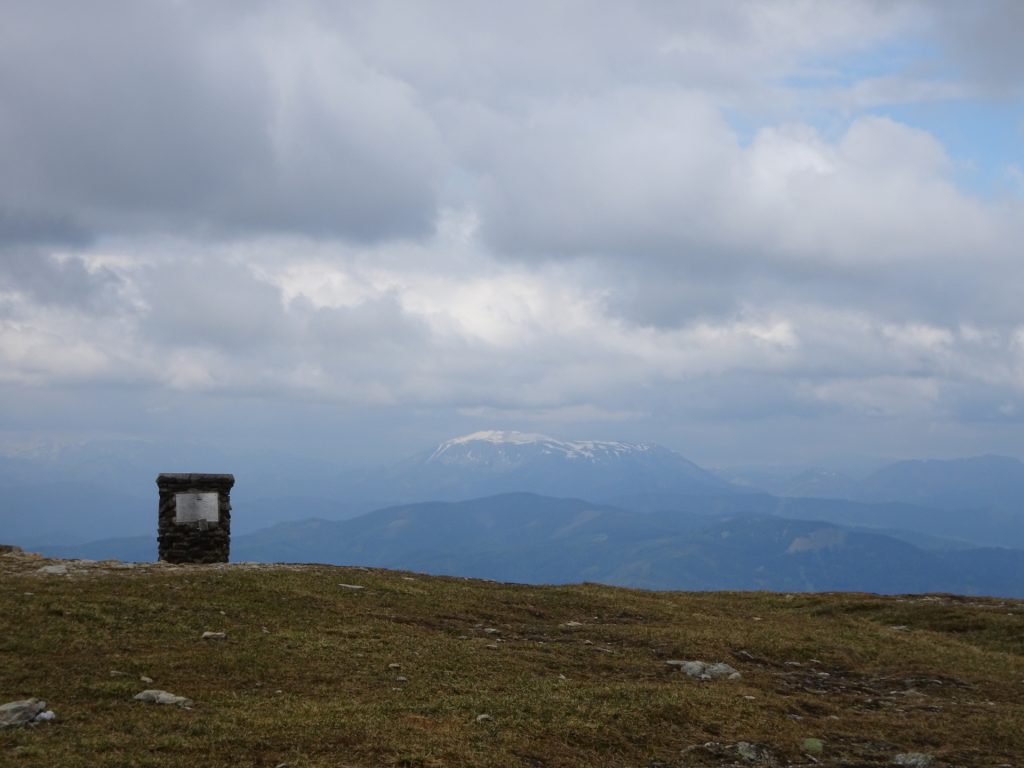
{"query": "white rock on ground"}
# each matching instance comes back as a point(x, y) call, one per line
point(54, 570)
point(214, 636)
point(702, 670)
point(162, 697)
point(24, 712)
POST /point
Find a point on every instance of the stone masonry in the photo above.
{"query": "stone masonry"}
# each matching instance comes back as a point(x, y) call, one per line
point(194, 518)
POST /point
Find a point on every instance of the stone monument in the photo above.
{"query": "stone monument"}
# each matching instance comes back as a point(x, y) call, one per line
point(194, 517)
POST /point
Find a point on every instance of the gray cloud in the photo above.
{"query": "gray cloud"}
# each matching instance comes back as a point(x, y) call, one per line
point(196, 302)
point(984, 40)
point(450, 214)
point(146, 116)
point(21, 229)
point(64, 282)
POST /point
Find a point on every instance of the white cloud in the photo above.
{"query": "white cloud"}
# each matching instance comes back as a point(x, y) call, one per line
point(639, 214)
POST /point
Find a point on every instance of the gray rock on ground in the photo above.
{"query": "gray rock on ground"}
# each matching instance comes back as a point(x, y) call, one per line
point(24, 712)
point(54, 570)
point(740, 753)
point(914, 760)
point(702, 670)
point(154, 696)
point(754, 753)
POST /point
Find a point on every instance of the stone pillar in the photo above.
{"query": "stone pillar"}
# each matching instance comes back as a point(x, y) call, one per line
point(194, 517)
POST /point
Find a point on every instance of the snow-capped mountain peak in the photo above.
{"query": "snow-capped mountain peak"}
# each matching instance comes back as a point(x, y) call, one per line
point(498, 461)
point(510, 447)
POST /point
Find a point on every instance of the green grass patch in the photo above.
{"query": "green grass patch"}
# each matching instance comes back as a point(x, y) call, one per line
point(569, 676)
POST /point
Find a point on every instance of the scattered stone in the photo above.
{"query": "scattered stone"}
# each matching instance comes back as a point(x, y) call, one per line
point(352, 586)
point(146, 679)
point(394, 666)
point(153, 696)
point(492, 646)
point(914, 760)
point(492, 631)
point(754, 753)
point(484, 718)
point(401, 679)
point(702, 670)
point(746, 750)
point(726, 754)
point(24, 712)
point(812, 746)
point(54, 570)
point(573, 624)
point(214, 636)
point(118, 673)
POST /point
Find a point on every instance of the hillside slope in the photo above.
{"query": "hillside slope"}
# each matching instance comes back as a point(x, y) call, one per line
point(540, 540)
point(325, 666)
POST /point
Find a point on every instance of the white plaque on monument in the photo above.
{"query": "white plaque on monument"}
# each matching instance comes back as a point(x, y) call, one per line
point(193, 507)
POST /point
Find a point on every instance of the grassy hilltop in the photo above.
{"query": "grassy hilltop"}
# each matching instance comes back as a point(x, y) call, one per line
point(565, 676)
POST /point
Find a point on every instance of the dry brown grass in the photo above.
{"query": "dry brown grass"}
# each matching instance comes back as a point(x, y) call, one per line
point(303, 677)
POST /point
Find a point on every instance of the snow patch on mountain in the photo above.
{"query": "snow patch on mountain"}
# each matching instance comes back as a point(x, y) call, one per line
point(497, 444)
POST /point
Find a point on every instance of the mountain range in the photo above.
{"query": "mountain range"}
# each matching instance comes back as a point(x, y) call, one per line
point(526, 507)
point(542, 540)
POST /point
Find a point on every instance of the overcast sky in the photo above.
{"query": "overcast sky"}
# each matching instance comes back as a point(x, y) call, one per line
point(754, 232)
